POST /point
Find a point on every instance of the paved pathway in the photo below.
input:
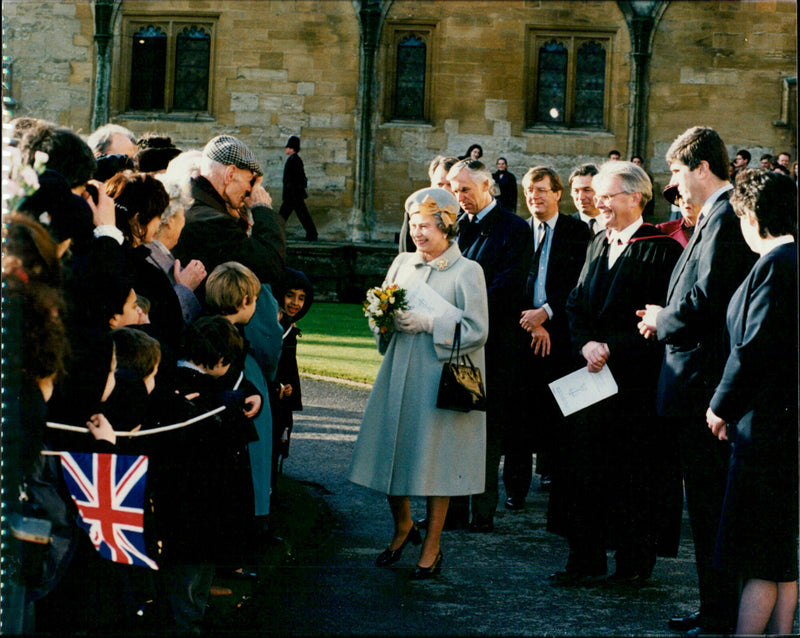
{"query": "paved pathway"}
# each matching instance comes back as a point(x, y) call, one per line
point(491, 584)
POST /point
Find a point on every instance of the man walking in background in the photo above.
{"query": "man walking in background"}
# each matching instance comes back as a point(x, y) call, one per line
point(294, 189)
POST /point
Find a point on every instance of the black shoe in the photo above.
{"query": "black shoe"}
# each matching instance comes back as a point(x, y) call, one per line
point(424, 573)
point(481, 524)
point(685, 623)
point(575, 579)
point(544, 483)
point(423, 523)
point(389, 556)
point(515, 503)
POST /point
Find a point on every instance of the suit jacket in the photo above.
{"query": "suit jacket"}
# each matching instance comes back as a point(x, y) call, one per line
point(758, 390)
point(692, 324)
point(567, 254)
point(504, 249)
point(507, 183)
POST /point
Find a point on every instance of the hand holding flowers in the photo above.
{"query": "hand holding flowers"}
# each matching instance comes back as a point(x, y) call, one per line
point(381, 307)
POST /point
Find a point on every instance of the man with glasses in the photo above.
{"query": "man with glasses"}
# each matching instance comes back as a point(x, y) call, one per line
point(559, 243)
point(616, 483)
point(216, 230)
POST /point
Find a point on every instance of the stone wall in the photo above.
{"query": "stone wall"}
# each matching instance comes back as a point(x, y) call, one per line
point(722, 64)
point(51, 51)
point(290, 67)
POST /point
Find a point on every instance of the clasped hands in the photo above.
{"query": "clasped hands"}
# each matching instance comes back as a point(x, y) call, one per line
point(413, 322)
point(531, 321)
point(596, 355)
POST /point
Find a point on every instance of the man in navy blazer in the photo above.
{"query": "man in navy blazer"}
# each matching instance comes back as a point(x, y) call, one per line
point(692, 325)
point(501, 243)
point(559, 250)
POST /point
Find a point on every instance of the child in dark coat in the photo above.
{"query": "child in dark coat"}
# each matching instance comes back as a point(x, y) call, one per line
point(295, 296)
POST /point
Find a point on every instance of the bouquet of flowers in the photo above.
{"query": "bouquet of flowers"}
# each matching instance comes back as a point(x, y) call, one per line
point(380, 308)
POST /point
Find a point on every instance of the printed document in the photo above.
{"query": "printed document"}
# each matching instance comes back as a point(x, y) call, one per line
point(425, 300)
point(582, 388)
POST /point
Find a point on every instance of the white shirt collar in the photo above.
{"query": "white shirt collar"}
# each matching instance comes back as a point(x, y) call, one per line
point(597, 218)
point(625, 234)
point(714, 197)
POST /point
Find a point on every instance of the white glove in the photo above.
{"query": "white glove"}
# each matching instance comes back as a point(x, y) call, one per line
point(413, 322)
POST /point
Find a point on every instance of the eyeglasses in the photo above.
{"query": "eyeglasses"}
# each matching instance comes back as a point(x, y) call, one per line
point(606, 199)
point(538, 191)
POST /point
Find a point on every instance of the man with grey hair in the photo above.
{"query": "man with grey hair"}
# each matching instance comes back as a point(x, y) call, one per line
point(616, 483)
point(113, 139)
point(216, 231)
point(501, 243)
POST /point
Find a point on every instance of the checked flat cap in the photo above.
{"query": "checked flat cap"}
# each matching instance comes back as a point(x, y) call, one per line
point(230, 151)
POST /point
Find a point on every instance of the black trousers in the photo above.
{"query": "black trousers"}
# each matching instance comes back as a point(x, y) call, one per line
point(704, 463)
point(298, 205)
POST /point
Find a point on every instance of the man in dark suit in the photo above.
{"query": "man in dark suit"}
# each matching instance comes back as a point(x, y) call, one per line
point(615, 485)
point(507, 183)
point(294, 189)
point(580, 186)
point(501, 243)
point(559, 249)
point(692, 325)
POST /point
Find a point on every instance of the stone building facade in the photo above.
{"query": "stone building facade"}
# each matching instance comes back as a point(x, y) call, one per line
point(376, 88)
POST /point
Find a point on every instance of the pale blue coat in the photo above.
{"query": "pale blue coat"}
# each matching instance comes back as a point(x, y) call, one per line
point(406, 445)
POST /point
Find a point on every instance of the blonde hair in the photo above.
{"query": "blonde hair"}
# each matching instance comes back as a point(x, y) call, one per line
point(227, 287)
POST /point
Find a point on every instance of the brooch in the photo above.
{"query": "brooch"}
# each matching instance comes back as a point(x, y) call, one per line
point(441, 263)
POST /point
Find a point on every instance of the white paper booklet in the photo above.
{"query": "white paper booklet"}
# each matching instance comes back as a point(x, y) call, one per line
point(582, 388)
point(425, 300)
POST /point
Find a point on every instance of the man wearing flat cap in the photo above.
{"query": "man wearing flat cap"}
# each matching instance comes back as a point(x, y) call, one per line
point(216, 230)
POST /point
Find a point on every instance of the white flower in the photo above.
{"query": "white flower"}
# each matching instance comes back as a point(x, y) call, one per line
point(40, 159)
point(30, 177)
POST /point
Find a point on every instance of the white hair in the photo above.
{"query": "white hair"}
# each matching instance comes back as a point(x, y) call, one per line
point(100, 139)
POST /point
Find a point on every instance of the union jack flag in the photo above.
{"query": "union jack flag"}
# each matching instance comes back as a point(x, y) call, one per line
point(109, 492)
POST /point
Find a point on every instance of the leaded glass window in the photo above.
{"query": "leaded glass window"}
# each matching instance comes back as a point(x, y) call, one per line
point(410, 84)
point(552, 82)
point(148, 68)
point(192, 56)
point(568, 78)
point(590, 80)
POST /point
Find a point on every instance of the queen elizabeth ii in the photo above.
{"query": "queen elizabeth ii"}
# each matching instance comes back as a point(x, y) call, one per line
point(406, 445)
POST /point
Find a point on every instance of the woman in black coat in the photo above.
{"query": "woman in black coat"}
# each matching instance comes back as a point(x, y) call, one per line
point(755, 407)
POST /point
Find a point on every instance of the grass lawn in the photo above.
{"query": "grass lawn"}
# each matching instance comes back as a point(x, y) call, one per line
point(336, 342)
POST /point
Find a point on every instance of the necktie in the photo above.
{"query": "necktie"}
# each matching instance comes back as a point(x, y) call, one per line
point(538, 254)
point(593, 225)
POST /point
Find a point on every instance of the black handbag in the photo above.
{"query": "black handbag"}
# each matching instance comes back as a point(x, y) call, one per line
point(461, 386)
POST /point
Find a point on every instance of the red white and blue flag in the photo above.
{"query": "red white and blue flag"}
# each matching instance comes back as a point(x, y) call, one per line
point(109, 491)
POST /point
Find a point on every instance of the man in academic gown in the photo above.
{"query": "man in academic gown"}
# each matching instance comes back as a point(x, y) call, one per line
point(616, 483)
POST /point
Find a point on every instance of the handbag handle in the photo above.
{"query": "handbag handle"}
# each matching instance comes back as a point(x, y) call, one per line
point(456, 348)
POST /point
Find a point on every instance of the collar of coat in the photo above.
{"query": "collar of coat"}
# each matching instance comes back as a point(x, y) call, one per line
point(442, 262)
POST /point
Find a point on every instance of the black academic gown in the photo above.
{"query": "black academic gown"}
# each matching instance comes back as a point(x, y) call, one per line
point(616, 477)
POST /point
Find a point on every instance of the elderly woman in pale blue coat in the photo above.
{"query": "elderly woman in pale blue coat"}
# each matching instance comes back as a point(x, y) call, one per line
point(406, 445)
